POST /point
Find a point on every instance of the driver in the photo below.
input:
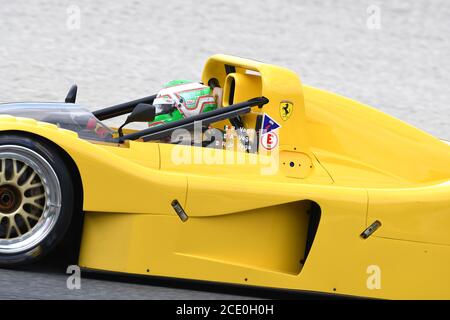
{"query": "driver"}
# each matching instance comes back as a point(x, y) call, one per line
point(180, 99)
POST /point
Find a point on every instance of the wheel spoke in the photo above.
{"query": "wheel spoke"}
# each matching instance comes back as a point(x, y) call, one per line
point(22, 170)
point(19, 233)
point(8, 230)
point(33, 199)
point(28, 183)
point(25, 218)
point(12, 225)
point(37, 205)
point(29, 215)
point(18, 173)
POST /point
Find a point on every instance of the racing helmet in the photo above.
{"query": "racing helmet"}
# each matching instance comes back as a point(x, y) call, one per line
point(186, 97)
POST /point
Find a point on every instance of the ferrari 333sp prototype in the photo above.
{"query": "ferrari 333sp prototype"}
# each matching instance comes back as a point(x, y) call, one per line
point(328, 195)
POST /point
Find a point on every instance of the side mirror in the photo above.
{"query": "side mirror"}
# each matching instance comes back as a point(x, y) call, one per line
point(143, 112)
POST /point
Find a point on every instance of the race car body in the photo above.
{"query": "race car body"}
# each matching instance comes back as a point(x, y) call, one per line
point(326, 195)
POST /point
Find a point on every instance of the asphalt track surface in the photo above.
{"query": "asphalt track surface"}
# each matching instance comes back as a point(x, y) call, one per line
point(48, 280)
point(123, 50)
point(45, 281)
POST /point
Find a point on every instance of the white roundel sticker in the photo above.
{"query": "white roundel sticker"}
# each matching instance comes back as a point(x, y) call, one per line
point(269, 140)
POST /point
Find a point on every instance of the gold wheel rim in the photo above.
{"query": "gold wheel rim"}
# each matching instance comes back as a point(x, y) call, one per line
point(30, 199)
point(22, 198)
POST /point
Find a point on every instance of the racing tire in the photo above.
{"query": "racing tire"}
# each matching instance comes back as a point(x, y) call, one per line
point(36, 199)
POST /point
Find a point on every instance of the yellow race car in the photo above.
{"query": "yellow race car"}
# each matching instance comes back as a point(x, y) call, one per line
point(282, 186)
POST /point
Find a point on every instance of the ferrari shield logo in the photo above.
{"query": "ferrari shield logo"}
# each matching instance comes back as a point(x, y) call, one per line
point(286, 109)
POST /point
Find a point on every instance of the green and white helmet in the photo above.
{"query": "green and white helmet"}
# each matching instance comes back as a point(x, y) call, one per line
point(189, 98)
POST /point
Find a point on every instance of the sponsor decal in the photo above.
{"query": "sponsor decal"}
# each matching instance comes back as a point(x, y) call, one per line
point(269, 140)
point(268, 124)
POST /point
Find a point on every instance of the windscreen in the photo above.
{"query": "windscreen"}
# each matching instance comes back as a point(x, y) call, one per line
point(67, 116)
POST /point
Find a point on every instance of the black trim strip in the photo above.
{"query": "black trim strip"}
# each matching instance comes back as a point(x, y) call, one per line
point(121, 109)
point(213, 286)
point(259, 119)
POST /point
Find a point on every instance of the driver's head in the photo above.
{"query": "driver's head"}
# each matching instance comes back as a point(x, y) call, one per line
point(189, 98)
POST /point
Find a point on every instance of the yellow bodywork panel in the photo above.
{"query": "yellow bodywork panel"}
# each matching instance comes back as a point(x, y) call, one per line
point(290, 219)
point(362, 146)
point(416, 214)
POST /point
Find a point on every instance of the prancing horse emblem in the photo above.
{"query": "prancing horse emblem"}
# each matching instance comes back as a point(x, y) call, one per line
point(286, 109)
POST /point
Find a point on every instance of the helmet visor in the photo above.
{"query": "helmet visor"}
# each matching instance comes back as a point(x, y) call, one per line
point(163, 105)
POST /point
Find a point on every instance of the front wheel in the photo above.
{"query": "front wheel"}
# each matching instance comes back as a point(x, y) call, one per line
point(36, 199)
